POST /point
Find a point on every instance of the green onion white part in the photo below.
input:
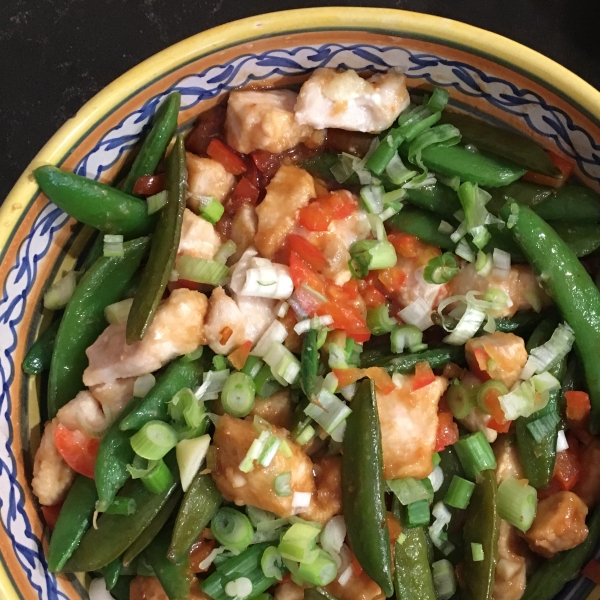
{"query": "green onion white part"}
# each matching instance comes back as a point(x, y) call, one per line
point(225, 251)
point(548, 355)
point(190, 456)
point(156, 202)
point(408, 490)
point(232, 529)
point(213, 383)
point(154, 440)
point(143, 384)
point(417, 313)
point(467, 327)
point(254, 452)
point(284, 364)
point(436, 530)
point(270, 280)
point(113, 246)
point(276, 332)
point(444, 579)
point(328, 411)
point(201, 270)
point(282, 484)
point(561, 441)
point(60, 292)
point(117, 313)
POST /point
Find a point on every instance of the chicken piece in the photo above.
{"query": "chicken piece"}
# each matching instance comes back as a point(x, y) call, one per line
point(507, 460)
point(477, 421)
point(150, 588)
point(177, 328)
point(521, 287)
point(198, 237)
point(559, 524)
point(114, 396)
point(52, 476)
point(289, 591)
point(358, 587)
point(225, 327)
point(290, 189)
point(84, 413)
point(264, 120)
point(344, 100)
point(232, 439)
point(497, 355)
point(327, 500)
point(243, 229)
point(588, 485)
point(206, 178)
point(408, 427)
point(416, 288)
point(276, 409)
point(510, 576)
point(260, 313)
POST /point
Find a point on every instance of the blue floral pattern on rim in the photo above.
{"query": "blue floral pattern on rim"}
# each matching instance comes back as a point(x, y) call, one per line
point(542, 117)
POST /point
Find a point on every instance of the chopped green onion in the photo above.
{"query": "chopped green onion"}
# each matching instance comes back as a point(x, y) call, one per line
point(445, 227)
point(212, 384)
point(393, 196)
point(483, 264)
point(416, 514)
point(407, 336)
point(113, 246)
point(379, 320)
point(272, 563)
point(477, 552)
point(398, 173)
point(328, 411)
point(283, 485)
point(391, 209)
point(304, 434)
point(459, 400)
point(438, 100)
point(372, 197)
point(143, 384)
point(299, 543)
point(156, 202)
point(266, 385)
point(440, 269)
point(542, 427)
point(239, 588)
point(517, 503)
point(190, 456)
point(269, 451)
point(212, 211)
point(122, 506)
point(117, 313)
point(154, 440)
point(377, 227)
point(438, 536)
point(467, 327)
point(451, 182)
point(284, 364)
point(254, 452)
point(441, 135)
point(459, 493)
point(238, 393)
point(201, 270)
point(252, 366)
point(159, 479)
point(475, 454)
point(60, 292)
point(194, 355)
point(232, 529)
point(225, 251)
point(548, 355)
point(321, 571)
point(529, 397)
point(219, 362)
point(444, 579)
point(368, 255)
point(409, 490)
point(473, 201)
point(484, 389)
point(385, 152)
point(464, 250)
point(436, 459)
point(185, 407)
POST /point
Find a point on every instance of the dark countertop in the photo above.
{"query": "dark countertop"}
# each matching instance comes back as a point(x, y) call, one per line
point(56, 54)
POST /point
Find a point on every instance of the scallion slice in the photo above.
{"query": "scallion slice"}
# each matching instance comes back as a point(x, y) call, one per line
point(477, 552)
point(272, 563)
point(492, 386)
point(254, 452)
point(113, 246)
point(328, 411)
point(407, 336)
point(321, 571)
point(156, 202)
point(459, 493)
point(201, 270)
point(252, 366)
point(475, 454)
point(372, 197)
point(441, 135)
point(440, 269)
point(439, 99)
point(398, 173)
point(467, 327)
point(238, 393)
point(159, 479)
point(517, 503)
point(368, 255)
point(408, 490)
point(379, 320)
point(459, 400)
point(444, 579)
point(60, 292)
point(225, 251)
point(282, 484)
point(416, 514)
point(154, 440)
point(194, 355)
point(270, 450)
point(299, 543)
point(232, 529)
point(212, 211)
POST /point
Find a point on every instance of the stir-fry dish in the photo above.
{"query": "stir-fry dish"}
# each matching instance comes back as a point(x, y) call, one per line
point(332, 342)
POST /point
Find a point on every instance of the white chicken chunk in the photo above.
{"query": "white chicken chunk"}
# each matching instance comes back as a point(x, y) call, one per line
point(177, 328)
point(114, 396)
point(344, 100)
point(264, 120)
point(408, 427)
point(287, 193)
point(232, 439)
point(225, 327)
point(243, 229)
point(277, 409)
point(289, 590)
point(198, 237)
point(507, 460)
point(84, 413)
point(206, 178)
point(510, 577)
point(259, 313)
point(327, 498)
point(521, 286)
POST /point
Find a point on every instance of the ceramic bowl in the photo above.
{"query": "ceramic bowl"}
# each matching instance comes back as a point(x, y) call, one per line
point(484, 73)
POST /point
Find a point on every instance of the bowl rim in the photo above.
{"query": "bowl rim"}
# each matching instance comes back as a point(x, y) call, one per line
point(492, 46)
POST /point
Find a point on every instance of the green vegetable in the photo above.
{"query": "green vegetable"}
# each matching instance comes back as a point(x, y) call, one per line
point(459, 493)
point(309, 363)
point(581, 238)
point(318, 593)
point(422, 224)
point(560, 203)
point(39, 356)
point(156, 142)
point(232, 529)
point(572, 289)
point(265, 382)
point(475, 454)
point(73, 521)
point(363, 489)
point(440, 269)
point(436, 357)
point(379, 320)
point(112, 572)
point(435, 198)
point(96, 204)
point(238, 393)
point(83, 321)
point(415, 514)
point(517, 503)
point(163, 249)
point(154, 440)
point(482, 526)
point(159, 478)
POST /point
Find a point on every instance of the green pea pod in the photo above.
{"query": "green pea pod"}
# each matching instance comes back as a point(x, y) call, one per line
point(83, 321)
point(523, 192)
point(115, 533)
point(156, 142)
point(405, 363)
point(176, 579)
point(583, 239)
point(121, 589)
point(163, 248)
point(572, 289)
point(309, 364)
point(436, 198)
point(363, 489)
point(508, 145)
point(554, 573)
point(39, 357)
point(94, 203)
point(112, 572)
point(154, 406)
point(450, 465)
point(73, 521)
point(559, 205)
point(482, 527)
point(146, 537)
point(199, 506)
point(92, 252)
point(114, 454)
point(412, 573)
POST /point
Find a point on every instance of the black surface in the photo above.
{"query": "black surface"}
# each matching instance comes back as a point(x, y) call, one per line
point(56, 54)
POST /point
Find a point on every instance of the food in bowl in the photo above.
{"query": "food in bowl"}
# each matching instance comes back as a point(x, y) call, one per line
point(322, 346)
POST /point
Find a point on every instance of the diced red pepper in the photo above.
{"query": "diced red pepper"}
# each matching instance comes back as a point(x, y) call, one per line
point(578, 405)
point(347, 376)
point(392, 279)
point(51, 515)
point(314, 217)
point(372, 296)
point(564, 165)
point(318, 214)
point(148, 185)
point(346, 317)
point(308, 252)
point(567, 468)
point(447, 431)
point(78, 449)
point(184, 283)
point(360, 335)
point(405, 244)
point(423, 376)
point(382, 379)
point(478, 362)
point(245, 192)
point(266, 162)
point(498, 421)
point(356, 566)
point(239, 356)
point(301, 272)
point(222, 153)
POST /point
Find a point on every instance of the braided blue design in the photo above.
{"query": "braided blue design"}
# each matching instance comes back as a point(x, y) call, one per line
point(528, 106)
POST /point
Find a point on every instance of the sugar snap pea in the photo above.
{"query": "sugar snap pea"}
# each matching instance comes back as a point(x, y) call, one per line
point(436, 198)
point(121, 589)
point(112, 572)
point(39, 356)
point(571, 203)
point(309, 364)
point(363, 489)
point(163, 248)
point(572, 289)
point(394, 363)
point(94, 203)
point(83, 320)
point(178, 375)
point(523, 192)
point(199, 506)
point(156, 142)
point(582, 238)
point(73, 521)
